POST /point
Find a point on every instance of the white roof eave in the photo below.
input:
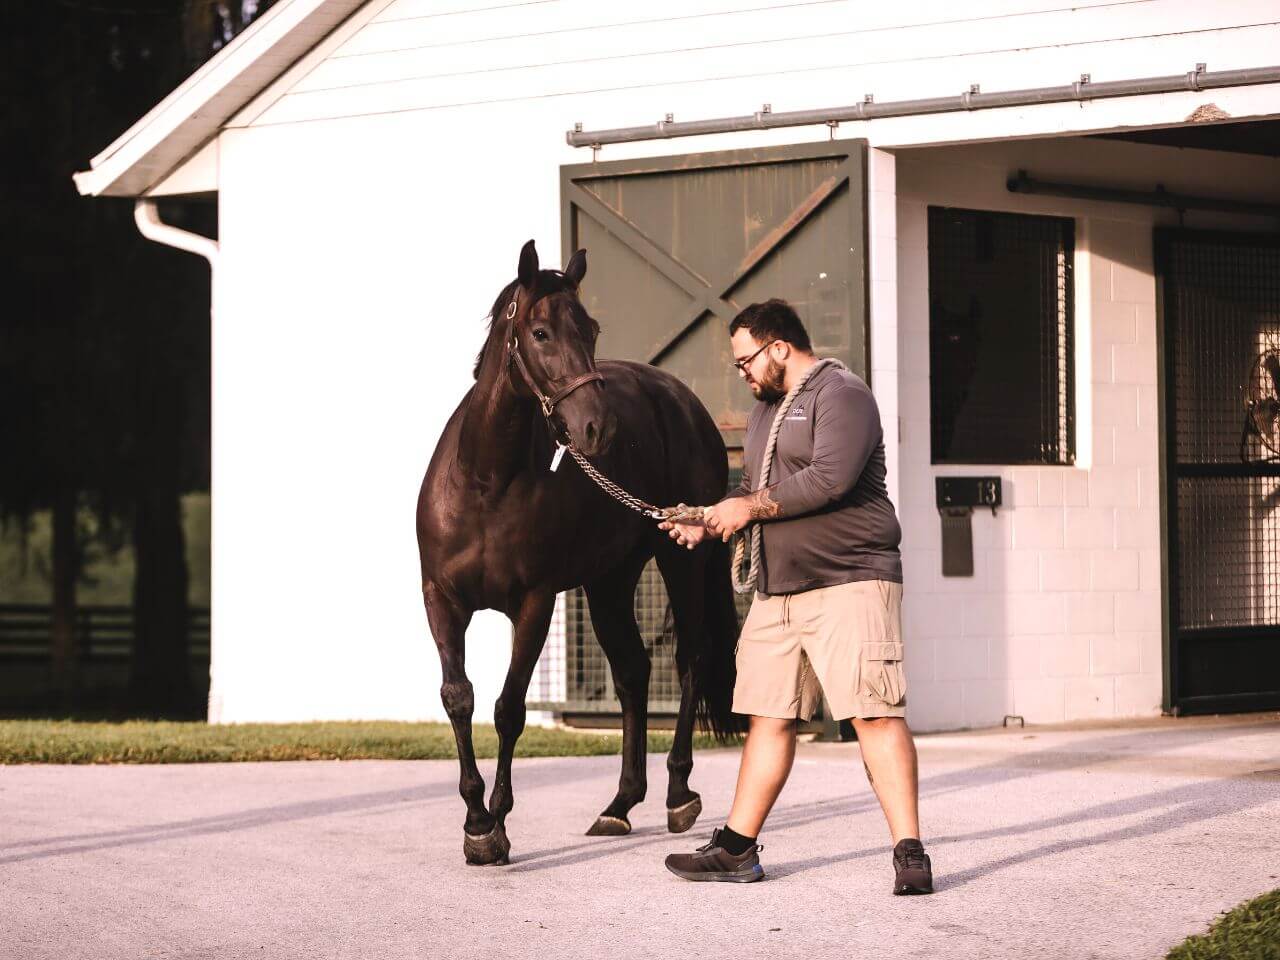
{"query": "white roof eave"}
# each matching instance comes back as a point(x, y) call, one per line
point(190, 116)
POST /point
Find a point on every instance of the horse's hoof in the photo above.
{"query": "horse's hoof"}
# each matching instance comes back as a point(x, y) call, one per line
point(681, 818)
point(490, 849)
point(609, 827)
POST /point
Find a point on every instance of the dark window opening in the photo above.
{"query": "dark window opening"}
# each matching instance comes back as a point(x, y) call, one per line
point(1002, 386)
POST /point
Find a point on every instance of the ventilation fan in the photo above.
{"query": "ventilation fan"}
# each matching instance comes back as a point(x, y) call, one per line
point(1262, 406)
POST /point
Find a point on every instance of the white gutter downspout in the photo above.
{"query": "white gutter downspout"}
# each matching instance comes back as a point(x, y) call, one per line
point(147, 216)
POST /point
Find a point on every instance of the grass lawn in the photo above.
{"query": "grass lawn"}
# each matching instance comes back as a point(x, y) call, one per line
point(1249, 932)
point(141, 741)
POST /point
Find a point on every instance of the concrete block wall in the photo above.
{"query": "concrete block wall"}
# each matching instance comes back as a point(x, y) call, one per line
point(1062, 618)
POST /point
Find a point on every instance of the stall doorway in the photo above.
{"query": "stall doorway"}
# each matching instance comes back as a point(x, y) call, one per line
point(1219, 305)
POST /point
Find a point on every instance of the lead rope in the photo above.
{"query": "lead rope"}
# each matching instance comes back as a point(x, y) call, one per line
point(677, 513)
point(752, 534)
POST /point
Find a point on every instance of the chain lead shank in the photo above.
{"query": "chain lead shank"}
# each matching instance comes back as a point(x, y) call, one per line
point(681, 513)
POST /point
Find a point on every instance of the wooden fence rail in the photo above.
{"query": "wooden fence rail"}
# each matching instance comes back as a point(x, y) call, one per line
point(102, 632)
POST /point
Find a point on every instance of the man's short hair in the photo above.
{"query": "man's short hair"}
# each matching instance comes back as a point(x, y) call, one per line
point(773, 320)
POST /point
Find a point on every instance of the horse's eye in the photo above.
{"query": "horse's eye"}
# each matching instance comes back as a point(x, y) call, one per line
point(540, 335)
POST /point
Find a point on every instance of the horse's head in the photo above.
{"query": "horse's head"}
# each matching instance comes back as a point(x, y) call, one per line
point(551, 346)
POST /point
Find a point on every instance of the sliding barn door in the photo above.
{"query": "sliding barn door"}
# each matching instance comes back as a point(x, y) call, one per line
point(676, 247)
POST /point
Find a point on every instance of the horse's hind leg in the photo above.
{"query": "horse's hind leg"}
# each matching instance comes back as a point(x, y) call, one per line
point(531, 625)
point(612, 605)
point(682, 572)
point(482, 841)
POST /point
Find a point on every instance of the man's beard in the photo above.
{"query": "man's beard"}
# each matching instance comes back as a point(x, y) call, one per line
point(769, 388)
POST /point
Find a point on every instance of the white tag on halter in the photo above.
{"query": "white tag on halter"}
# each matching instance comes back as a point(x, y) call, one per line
point(559, 455)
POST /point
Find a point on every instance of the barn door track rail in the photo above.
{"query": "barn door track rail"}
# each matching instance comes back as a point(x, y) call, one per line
point(1159, 197)
point(1084, 89)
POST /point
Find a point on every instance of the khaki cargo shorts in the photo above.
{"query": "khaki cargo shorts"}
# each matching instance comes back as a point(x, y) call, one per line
point(848, 638)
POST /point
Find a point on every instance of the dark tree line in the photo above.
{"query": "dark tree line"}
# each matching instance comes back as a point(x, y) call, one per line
point(104, 336)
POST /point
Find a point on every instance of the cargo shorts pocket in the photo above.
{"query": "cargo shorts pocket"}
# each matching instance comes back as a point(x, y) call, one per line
point(883, 678)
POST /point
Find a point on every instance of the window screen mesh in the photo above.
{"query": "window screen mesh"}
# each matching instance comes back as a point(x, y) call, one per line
point(573, 672)
point(1227, 303)
point(1000, 337)
point(1229, 545)
point(1222, 313)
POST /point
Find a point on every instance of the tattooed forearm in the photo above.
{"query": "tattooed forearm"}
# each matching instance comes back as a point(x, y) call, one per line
point(763, 506)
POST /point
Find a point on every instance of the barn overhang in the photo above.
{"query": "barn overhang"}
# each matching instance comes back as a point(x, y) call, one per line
point(173, 149)
point(182, 126)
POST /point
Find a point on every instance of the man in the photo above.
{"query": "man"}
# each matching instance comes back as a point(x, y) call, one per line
point(827, 607)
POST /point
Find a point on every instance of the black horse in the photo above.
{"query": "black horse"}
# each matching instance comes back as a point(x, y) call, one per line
point(499, 529)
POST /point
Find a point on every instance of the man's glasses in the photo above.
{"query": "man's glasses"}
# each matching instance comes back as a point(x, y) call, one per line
point(741, 365)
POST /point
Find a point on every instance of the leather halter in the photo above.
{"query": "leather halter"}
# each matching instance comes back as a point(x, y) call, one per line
point(548, 403)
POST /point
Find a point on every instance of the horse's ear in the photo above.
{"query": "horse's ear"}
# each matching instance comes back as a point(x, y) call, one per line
point(528, 266)
point(577, 268)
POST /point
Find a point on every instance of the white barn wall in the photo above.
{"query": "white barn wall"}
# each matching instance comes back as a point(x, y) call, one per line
point(621, 67)
point(352, 294)
point(360, 253)
point(882, 290)
point(1061, 620)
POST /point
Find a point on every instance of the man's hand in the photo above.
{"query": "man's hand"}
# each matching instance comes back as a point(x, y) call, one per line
point(729, 516)
point(686, 534)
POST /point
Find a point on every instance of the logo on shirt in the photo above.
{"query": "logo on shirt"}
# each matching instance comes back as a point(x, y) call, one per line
point(796, 413)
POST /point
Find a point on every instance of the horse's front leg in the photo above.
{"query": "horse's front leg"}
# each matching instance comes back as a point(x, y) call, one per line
point(612, 605)
point(482, 843)
point(531, 623)
point(684, 573)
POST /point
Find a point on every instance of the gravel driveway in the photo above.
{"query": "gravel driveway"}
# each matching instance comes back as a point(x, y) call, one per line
point(1093, 841)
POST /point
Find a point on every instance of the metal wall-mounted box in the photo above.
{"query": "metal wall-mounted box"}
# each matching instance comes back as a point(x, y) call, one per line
point(968, 492)
point(957, 496)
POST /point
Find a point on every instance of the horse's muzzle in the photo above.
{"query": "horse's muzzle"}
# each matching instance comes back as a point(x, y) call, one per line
point(596, 435)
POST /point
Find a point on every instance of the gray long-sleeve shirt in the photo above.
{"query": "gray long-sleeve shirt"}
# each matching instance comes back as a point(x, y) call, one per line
point(837, 524)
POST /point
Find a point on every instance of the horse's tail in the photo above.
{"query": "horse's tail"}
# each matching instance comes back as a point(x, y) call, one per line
point(714, 670)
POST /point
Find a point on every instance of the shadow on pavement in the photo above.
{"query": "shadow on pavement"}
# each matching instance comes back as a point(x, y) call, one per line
point(1171, 808)
point(68, 844)
point(1178, 806)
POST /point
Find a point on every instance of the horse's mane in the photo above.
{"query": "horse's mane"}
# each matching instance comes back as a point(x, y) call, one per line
point(497, 310)
point(549, 282)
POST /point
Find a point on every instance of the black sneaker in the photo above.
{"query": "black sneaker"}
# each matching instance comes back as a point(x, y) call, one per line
point(713, 862)
point(912, 869)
